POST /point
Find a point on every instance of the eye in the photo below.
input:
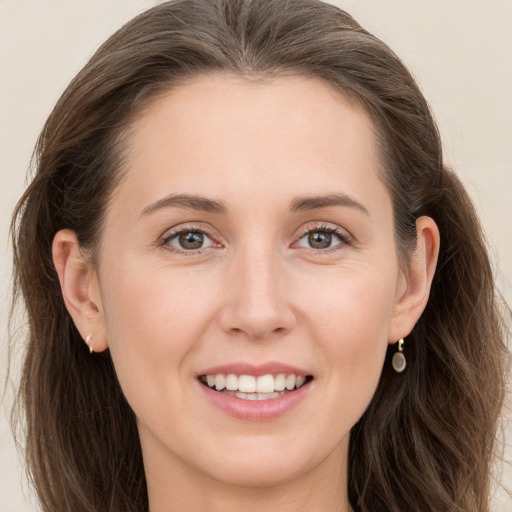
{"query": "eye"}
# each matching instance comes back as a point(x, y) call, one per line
point(188, 240)
point(323, 238)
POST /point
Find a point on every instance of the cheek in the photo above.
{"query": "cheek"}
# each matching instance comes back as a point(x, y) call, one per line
point(354, 304)
point(350, 322)
point(153, 322)
point(149, 305)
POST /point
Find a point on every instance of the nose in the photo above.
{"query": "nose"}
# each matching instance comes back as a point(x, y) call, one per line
point(257, 296)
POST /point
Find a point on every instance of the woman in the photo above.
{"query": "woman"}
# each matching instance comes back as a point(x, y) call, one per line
point(247, 270)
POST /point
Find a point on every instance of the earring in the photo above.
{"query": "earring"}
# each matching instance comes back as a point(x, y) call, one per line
point(88, 343)
point(398, 362)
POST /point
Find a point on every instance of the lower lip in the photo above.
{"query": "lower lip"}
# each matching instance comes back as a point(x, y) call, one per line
point(255, 410)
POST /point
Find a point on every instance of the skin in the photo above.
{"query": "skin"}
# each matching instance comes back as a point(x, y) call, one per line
point(257, 291)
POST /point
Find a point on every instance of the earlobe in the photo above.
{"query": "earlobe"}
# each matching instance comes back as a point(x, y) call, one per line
point(412, 301)
point(80, 290)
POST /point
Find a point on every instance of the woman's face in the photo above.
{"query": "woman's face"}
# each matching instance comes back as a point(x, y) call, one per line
point(251, 236)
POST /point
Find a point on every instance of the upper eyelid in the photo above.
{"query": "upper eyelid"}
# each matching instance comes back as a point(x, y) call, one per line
point(325, 226)
point(172, 232)
point(165, 240)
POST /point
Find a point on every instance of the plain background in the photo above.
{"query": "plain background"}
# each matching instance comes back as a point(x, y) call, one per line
point(459, 50)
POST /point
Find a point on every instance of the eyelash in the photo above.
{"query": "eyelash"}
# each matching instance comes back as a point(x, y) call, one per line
point(165, 242)
point(343, 236)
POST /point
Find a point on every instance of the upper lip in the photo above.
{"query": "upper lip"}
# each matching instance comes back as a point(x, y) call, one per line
point(243, 368)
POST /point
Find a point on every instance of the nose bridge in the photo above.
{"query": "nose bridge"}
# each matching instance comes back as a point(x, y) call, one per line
point(259, 276)
point(258, 304)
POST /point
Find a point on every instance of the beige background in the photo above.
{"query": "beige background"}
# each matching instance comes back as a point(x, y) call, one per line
point(459, 50)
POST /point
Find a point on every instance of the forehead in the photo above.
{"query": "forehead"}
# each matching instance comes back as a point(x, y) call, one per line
point(230, 136)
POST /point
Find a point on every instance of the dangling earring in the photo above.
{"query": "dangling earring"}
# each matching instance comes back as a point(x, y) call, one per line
point(88, 343)
point(398, 362)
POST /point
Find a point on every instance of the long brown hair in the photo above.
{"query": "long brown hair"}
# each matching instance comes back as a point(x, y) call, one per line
point(426, 441)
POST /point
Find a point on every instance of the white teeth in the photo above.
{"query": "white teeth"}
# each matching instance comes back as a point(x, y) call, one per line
point(253, 387)
point(231, 382)
point(220, 381)
point(254, 396)
point(266, 396)
point(290, 382)
point(280, 383)
point(247, 383)
point(265, 384)
point(300, 380)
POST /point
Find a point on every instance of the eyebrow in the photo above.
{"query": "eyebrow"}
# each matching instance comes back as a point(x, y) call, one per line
point(189, 202)
point(326, 201)
point(204, 204)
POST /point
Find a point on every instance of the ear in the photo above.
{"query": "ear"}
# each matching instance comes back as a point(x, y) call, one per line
point(80, 289)
point(414, 287)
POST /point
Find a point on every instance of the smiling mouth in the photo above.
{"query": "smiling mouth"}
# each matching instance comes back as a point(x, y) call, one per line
point(249, 387)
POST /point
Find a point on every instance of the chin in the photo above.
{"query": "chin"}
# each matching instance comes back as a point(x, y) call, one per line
point(265, 462)
point(257, 473)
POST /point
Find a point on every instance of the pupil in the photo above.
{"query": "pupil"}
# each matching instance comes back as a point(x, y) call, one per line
point(191, 240)
point(319, 240)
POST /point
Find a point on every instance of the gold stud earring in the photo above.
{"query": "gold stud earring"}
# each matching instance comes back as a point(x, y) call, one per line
point(88, 343)
point(398, 362)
